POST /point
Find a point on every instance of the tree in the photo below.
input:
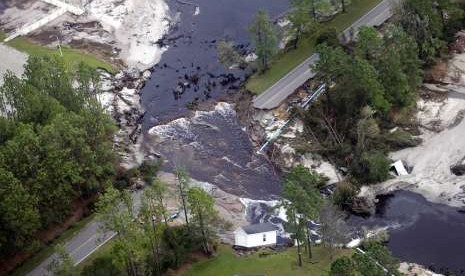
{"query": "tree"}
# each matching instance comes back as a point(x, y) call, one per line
point(183, 186)
point(369, 43)
point(264, 38)
point(101, 266)
point(301, 22)
point(301, 191)
point(367, 128)
point(333, 227)
point(421, 20)
point(115, 213)
point(295, 226)
point(19, 215)
point(63, 264)
point(375, 261)
point(342, 267)
point(227, 55)
point(154, 218)
point(56, 141)
point(203, 212)
point(380, 253)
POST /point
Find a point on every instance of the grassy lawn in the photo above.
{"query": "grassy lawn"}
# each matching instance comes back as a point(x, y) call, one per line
point(48, 250)
point(279, 264)
point(283, 63)
point(71, 56)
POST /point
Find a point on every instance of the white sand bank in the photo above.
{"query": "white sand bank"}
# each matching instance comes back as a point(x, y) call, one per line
point(431, 161)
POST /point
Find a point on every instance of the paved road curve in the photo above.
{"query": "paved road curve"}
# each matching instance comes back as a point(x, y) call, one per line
point(84, 243)
point(273, 96)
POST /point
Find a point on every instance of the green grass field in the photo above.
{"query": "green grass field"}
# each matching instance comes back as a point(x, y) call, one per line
point(71, 56)
point(284, 62)
point(283, 263)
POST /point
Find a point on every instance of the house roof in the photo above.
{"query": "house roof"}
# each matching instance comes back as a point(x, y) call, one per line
point(258, 228)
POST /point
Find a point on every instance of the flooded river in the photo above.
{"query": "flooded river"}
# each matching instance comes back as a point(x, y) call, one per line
point(420, 231)
point(210, 144)
point(214, 148)
point(189, 71)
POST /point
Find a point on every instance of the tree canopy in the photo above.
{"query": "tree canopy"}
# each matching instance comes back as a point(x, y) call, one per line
point(55, 147)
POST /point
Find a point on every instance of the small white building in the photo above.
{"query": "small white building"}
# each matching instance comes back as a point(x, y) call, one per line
point(255, 235)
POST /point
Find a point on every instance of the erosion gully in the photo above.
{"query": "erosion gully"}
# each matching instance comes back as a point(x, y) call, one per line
point(215, 148)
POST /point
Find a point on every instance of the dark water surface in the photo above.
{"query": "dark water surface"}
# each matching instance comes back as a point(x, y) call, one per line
point(192, 59)
point(212, 145)
point(421, 232)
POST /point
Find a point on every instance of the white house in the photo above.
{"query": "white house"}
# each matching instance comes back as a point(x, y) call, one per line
point(255, 235)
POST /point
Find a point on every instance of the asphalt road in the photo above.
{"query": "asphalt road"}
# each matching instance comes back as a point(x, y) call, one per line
point(273, 96)
point(83, 244)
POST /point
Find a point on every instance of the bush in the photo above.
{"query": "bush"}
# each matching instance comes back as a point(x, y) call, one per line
point(328, 36)
point(308, 178)
point(372, 167)
point(101, 266)
point(342, 267)
point(400, 139)
point(344, 195)
point(148, 170)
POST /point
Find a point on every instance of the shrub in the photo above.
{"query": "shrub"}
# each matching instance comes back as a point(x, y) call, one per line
point(342, 267)
point(372, 167)
point(328, 36)
point(344, 195)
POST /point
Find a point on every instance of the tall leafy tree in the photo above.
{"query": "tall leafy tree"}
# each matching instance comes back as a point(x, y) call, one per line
point(333, 227)
point(203, 214)
point(421, 20)
point(115, 212)
point(301, 191)
point(183, 181)
point(302, 22)
point(19, 215)
point(63, 264)
point(264, 38)
point(154, 217)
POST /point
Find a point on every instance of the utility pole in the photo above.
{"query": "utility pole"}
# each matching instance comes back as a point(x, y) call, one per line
point(59, 44)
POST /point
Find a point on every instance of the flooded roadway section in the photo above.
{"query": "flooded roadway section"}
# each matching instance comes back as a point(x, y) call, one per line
point(422, 232)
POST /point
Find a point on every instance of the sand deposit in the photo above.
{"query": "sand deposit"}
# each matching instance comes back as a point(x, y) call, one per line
point(127, 30)
point(443, 146)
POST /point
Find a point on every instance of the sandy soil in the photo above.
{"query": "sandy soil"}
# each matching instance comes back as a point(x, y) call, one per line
point(443, 146)
point(127, 30)
point(410, 269)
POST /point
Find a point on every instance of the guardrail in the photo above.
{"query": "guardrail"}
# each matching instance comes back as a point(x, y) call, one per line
point(304, 104)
